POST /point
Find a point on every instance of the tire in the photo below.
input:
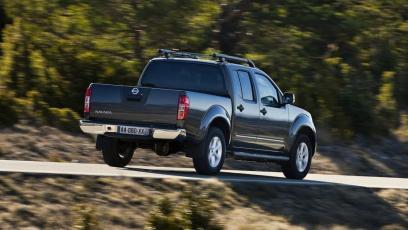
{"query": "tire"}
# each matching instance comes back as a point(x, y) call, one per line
point(207, 158)
point(300, 159)
point(117, 153)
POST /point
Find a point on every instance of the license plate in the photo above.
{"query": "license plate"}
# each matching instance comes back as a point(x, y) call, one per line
point(131, 130)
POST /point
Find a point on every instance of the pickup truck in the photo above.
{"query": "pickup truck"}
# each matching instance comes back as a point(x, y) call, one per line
point(208, 107)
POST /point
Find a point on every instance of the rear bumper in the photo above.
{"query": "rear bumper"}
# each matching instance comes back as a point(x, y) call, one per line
point(155, 133)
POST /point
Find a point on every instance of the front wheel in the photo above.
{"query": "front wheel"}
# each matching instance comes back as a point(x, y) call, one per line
point(209, 155)
point(117, 153)
point(300, 159)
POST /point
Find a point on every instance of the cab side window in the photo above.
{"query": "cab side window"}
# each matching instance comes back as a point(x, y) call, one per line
point(267, 91)
point(246, 85)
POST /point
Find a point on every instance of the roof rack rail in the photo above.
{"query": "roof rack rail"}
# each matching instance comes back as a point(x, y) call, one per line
point(219, 57)
point(174, 53)
point(233, 59)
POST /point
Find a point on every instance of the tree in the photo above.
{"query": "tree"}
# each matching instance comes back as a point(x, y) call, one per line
point(335, 55)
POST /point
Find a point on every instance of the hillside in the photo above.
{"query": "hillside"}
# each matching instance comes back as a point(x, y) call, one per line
point(51, 201)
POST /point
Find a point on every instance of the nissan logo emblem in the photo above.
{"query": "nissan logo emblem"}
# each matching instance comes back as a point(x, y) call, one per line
point(135, 91)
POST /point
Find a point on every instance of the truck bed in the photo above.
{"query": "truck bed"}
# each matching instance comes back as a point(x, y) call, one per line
point(149, 107)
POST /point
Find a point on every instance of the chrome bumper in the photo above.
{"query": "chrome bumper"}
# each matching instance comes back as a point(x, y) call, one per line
point(98, 128)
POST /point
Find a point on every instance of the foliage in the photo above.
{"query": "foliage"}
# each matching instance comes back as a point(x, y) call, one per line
point(85, 218)
point(63, 118)
point(346, 61)
point(8, 112)
point(193, 212)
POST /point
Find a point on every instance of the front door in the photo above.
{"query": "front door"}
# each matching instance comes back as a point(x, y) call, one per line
point(273, 122)
point(246, 110)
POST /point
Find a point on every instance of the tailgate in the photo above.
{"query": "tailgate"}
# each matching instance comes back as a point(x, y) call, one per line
point(139, 105)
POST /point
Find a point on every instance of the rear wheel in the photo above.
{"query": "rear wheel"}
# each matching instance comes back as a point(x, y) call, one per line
point(209, 155)
point(117, 153)
point(300, 159)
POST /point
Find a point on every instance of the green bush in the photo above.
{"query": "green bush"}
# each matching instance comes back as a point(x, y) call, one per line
point(31, 108)
point(193, 212)
point(166, 216)
point(200, 211)
point(63, 118)
point(34, 109)
point(85, 218)
point(8, 111)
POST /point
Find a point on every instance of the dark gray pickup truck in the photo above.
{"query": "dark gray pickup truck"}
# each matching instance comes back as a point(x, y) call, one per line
point(209, 108)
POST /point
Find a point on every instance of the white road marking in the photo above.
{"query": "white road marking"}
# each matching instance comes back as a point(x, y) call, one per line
point(37, 167)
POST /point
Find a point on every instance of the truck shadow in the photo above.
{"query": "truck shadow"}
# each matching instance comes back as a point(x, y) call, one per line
point(328, 207)
point(227, 177)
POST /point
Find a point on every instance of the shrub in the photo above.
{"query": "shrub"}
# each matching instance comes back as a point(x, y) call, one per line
point(31, 108)
point(8, 114)
point(200, 211)
point(63, 118)
point(166, 216)
point(35, 110)
point(85, 218)
point(194, 212)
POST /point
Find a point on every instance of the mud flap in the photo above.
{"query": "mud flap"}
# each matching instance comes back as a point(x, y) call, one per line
point(102, 141)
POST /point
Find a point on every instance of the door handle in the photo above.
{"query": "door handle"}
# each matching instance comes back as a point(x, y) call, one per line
point(240, 107)
point(263, 111)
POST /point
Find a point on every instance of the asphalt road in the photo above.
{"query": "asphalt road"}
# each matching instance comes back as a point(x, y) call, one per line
point(37, 167)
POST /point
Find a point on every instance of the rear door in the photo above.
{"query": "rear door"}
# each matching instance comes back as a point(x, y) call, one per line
point(246, 110)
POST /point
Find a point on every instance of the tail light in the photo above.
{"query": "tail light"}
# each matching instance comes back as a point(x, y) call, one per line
point(88, 94)
point(183, 107)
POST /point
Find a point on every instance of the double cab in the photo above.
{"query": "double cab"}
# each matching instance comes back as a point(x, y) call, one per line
point(208, 107)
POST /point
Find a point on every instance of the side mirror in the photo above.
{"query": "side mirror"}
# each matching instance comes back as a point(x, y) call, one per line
point(288, 98)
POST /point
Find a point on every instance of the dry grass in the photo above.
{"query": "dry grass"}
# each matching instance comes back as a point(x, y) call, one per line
point(122, 203)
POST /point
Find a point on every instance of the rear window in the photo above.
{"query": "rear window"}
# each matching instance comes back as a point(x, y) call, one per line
point(200, 77)
point(246, 86)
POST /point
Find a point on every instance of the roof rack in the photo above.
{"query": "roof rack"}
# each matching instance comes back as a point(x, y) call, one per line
point(233, 59)
point(175, 53)
point(219, 57)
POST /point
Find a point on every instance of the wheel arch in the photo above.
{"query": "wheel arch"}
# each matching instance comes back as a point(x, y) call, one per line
point(216, 116)
point(303, 124)
point(222, 124)
point(310, 134)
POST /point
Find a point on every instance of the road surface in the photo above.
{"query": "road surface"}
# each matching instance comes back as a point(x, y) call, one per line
point(37, 167)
